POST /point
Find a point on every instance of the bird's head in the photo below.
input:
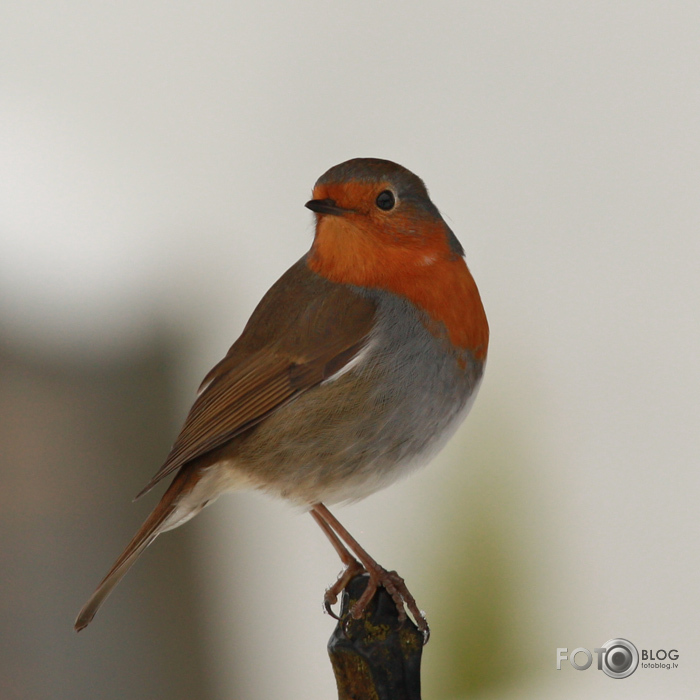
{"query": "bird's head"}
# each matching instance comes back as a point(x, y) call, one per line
point(372, 213)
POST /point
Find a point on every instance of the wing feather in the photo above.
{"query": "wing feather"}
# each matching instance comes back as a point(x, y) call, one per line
point(281, 353)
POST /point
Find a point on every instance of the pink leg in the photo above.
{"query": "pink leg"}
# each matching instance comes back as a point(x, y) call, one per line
point(352, 566)
point(378, 576)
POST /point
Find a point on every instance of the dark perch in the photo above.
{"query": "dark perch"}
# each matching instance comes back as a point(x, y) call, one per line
point(376, 657)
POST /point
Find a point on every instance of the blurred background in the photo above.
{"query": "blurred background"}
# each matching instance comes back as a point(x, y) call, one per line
point(154, 162)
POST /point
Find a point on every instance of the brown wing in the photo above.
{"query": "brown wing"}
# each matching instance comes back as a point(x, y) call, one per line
point(304, 330)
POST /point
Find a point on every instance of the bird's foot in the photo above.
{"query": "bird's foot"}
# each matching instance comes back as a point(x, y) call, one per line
point(396, 588)
point(331, 596)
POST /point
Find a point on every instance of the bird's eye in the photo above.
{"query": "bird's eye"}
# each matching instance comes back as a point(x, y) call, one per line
point(385, 200)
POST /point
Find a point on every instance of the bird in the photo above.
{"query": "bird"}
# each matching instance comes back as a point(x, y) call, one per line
point(355, 368)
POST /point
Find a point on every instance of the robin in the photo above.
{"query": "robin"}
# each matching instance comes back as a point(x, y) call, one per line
point(355, 368)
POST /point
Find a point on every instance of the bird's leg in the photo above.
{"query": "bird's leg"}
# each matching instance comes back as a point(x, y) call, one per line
point(352, 566)
point(378, 576)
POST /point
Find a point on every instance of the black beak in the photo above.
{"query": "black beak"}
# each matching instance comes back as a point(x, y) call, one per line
point(325, 206)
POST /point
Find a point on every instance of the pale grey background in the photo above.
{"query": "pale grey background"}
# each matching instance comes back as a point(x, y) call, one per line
point(154, 162)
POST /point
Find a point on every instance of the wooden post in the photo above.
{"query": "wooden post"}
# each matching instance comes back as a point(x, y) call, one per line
point(376, 657)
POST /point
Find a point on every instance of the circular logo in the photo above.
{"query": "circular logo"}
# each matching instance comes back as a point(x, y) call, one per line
point(621, 658)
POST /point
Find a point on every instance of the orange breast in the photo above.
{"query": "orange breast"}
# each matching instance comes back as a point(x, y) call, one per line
point(420, 268)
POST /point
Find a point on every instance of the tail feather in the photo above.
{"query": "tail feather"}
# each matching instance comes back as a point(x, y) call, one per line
point(156, 523)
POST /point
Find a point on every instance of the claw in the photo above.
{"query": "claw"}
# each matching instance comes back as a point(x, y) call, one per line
point(329, 600)
point(329, 610)
point(426, 630)
point(331, 596)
